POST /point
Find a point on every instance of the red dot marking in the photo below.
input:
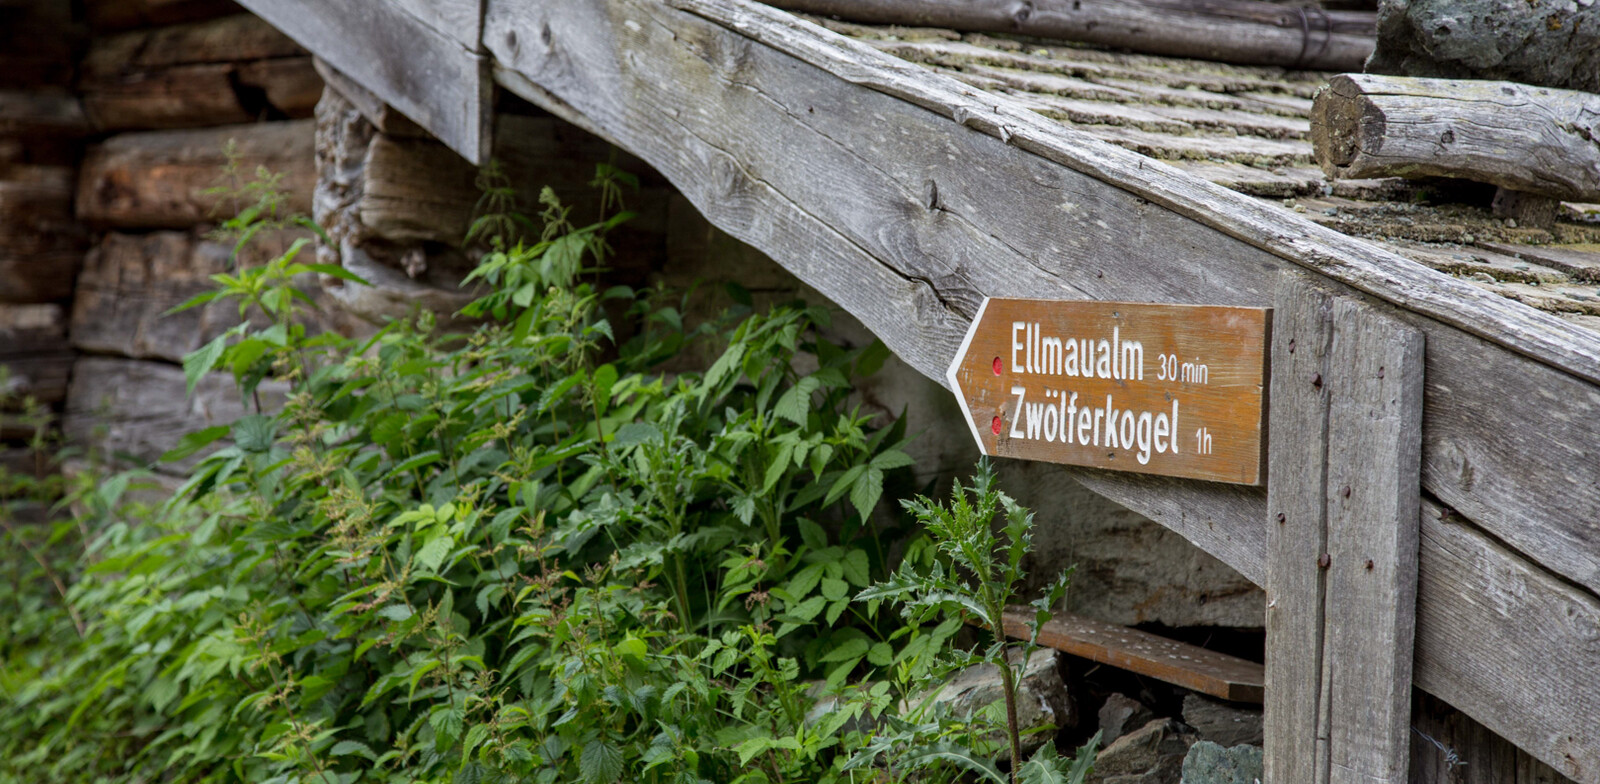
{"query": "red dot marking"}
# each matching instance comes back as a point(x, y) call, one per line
point(996, 426)
point(997, 366)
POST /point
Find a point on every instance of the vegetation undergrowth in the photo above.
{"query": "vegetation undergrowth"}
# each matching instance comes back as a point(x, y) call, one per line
point(519, 552)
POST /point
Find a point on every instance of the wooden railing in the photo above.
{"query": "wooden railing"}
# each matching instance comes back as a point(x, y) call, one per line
point(907, 198)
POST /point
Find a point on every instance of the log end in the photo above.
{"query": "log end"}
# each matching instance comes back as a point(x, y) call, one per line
point(1337, 124)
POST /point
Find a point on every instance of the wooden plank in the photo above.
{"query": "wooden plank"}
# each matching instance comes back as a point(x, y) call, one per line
point(235, 38)
point(1297, 533)
point(1340, 257)
point(1179, 663)
point(1532, 139)
point(1448, 747)
point(1182, 385)
point(460, 20)
point(435, 80)
point(1374, 454)
point(1508, 643)
point(1581, 262)
point(911, 240)
point(1238, 31)
point(160, 179)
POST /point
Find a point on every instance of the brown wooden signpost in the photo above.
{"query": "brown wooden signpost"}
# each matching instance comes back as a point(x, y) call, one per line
point(1176, 390)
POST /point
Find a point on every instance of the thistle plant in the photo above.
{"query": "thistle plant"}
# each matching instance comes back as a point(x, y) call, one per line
point(978, 575)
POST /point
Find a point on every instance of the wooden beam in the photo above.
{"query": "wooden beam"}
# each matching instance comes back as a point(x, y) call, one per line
point(869, 233)
point(908, 222)
point(163, 179)
point(1190, 666)
point(434, 79)
point(1235, 31)
point(1523, 138)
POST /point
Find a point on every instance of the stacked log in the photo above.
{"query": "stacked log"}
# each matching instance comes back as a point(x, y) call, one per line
point(236, 69)
point(41, 123)
point(397, 204)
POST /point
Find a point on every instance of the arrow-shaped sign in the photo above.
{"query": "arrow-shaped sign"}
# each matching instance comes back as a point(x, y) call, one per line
point(1157, 389)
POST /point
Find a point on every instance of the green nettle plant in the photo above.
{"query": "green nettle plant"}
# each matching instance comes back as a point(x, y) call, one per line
point(515, 553)
point(976, 574)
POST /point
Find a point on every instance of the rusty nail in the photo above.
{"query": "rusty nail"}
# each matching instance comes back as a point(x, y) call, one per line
point(1346, 491)
point(1324, 560)
point(1291, 345)
point(1280, 518)
point(1316, 380)
point(1369, 564)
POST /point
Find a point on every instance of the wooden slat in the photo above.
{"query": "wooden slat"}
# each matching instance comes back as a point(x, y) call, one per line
point(1297, 531)
point(1238, 31)
point(867, 232)
point(1016, 225)
point(1345, 259)
point(1189, 666)
point(460, 20)
point(1448, 747)
point(435, 80)
point(161, 179)
point(1374, 452)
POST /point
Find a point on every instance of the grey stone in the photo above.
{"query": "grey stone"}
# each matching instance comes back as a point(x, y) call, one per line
point(1551, 43)
point(1152, 754)
point(1209, 763)
point(1120, 714)
point(1224, 723)
point(1042, 698)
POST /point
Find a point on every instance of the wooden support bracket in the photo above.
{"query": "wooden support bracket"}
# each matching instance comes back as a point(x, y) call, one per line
point(1343, 495)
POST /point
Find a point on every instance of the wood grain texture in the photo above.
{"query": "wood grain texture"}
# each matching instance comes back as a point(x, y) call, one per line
point(1509, 644)
point(1297, 532)
point(432, 78)
point(160, 179)
point(459, 20)
point(1582, 263)
point(1533, 139)
point(1374, 451)
point(913, 236)
point(1190, 666)
point(31, 329)
point(1448, 747)
point(1237, 31)
point(1342, 258)
point(1181, 386)
point(125, 14)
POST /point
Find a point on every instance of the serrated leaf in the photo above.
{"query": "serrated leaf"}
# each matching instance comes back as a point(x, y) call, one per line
point(891, 459)
point(255, 433)
point(867, 490)
point(446, 727)
point(434, 552)
point(853, 648)
point(352, 748)
point(795, 404)
point(200, 361)
point(600, 762)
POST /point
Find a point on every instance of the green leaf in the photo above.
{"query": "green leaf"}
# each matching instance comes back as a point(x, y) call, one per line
point(843, 484)
point(890, 459)
point(200, 361)
point(395, 612)
point(853, 648)
point(434, 552)
point(605, 377)
point(194, 442)
point(600, 762)
point(255, 433)
point(336, 271)
point(867, 490)
point(446, 727)
point(351, 748)
point(795, 404)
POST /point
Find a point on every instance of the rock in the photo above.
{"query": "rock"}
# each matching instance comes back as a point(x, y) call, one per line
point(1551, 44)
point(1223, 723)
point(1042, 699)
point(1120, 714)
point(1209, 763)
point(1152, 754)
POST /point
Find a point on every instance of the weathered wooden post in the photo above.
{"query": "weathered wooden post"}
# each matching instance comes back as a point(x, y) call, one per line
point(1344, 450)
